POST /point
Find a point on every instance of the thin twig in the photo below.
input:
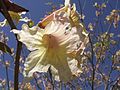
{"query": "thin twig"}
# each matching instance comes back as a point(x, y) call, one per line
point(6, 67)
point(37, 83)
point(81, 12)
point(51, 77)
point(84, 4)
point(107, 84)
point(110, 72)
point(7, 77)
point(6, 71)
point(92, 62)
point(19, 44)
point(116, 6)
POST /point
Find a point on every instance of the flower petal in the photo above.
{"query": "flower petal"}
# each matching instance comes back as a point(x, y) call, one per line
point(58, 60)
point(32, 61)
point(29, 38)
point(63, 68)
point(50, 18)
point(73, 64)
point(67, 2)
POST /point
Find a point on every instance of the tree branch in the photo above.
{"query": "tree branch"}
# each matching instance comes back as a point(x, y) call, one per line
point(19, 44)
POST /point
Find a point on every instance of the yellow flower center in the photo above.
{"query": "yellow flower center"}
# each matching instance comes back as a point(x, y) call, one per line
point(50, 41)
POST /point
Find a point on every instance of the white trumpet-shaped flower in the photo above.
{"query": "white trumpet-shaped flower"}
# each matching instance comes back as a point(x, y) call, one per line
point(58, 45)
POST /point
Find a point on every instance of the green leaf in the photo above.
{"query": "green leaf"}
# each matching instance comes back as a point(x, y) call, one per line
point(5, 48)
point(30, 23)
point(97, 44)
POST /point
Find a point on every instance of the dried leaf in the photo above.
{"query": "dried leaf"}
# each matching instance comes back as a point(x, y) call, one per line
point(5, 48)
point(15, 16)
point(13, 7)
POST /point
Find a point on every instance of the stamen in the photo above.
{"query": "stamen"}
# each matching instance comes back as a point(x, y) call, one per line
point(50, 41)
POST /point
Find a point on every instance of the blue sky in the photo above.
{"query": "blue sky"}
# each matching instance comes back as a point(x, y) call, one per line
point(38, 8)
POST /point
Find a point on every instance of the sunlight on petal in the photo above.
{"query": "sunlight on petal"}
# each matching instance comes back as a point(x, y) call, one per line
point(58, 45)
